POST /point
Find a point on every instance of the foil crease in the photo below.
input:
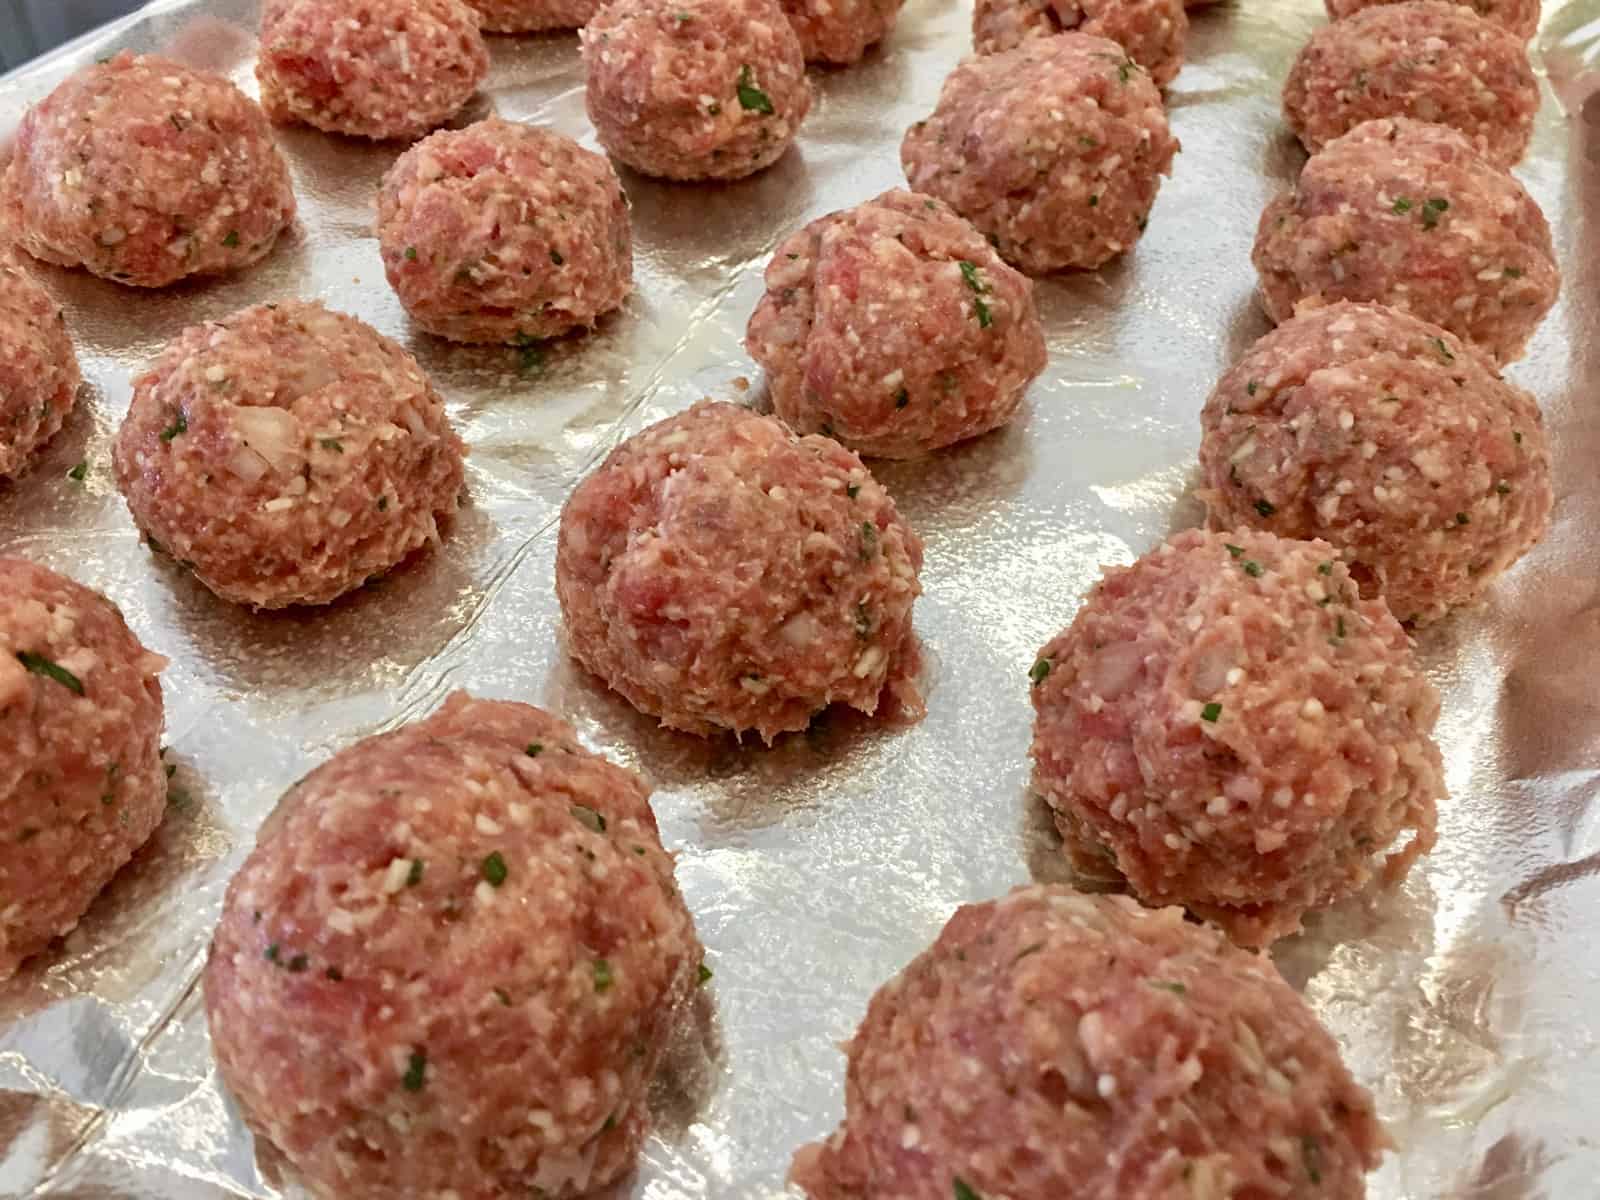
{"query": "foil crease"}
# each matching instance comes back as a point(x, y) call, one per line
point(1466, 1000)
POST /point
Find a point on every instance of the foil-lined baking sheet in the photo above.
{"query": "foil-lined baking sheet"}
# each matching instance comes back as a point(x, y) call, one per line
point(1469, 1000)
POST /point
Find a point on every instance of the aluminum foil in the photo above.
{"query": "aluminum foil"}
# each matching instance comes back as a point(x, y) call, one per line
point(1467, 1000)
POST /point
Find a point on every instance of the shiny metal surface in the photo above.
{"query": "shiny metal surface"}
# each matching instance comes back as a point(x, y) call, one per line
point(1468, 1000)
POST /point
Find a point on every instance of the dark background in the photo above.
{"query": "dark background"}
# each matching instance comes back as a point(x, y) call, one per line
point(30, 27)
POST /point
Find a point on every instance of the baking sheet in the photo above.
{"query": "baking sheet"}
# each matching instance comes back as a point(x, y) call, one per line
point(1469, 1000)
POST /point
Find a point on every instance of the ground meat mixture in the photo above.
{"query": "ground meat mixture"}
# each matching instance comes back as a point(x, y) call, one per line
point(369, 68)
point(840, 31)
point(1229, 726)
point(503, 232)
point(1429, 59)
point(534, 16)
point(894, 327)
point(1408, 214)
point(1389, 438)
point(725, 573)
point(39, 376)
point(1519, 16)
point(1153, 32)
point(1054, 1044)
point(695, 89)
point(451, 964)
point(146, 171)
point(287, 454)
point(81, 781)
point(1054, 150)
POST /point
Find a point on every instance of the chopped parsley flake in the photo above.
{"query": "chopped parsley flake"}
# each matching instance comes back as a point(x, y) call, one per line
point(416, 1072)
point(1511, 273)
point(1325, 568)
point(963, 1190)
point(1402, 205)
point(869, 540)
point(751, 97)
point(534, 749)
point(854, 489)
point(1463, 519)
point(1252, 568)
point(1177, 989)
point(333, 444)
point(1265, 507)
point(705, 974)
point(603, 978)
point(1250, 388)
point(383, 504)
point(411, 254)
point(494, 869)
point(969, 272)
point(40, 665)
point(1433, 210)
point(1026, 951)
point(414, 875)
point(532, 353)
point(1311, 1153)
point(271, 953)
point(1094, 201)
point(902, 398)
point(1516, 437)
point(232, 239)
point(555, 257)
point(1338, 629)
point(1038, 671)
point(1211, 712)
point(1503, 488)
point(180, 425)
point(1236, 551)
point(589, 818)
point(78, 472)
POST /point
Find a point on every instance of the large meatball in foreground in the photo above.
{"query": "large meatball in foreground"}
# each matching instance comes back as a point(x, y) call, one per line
point(1429, 59)
point(503, 232)
point(723, 573)
point(146, 171)
point(81, 781)
point(1232, 728)
point(1389, 438)
point(1056, 1044)
point(695, 89)
point(451, 964)
point(1153, 32)
point(534, 16)
point(287, 454)
point(840, 31)
point(1054, 150)
point(1519, 16)
point(369, 68)
point(39, 375)
point(1408, 214)
point(894, 327)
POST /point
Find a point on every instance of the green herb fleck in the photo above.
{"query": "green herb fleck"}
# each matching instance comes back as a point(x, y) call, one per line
point(414, 875)
point(1236, 551)
point(1250, 388)
point(40, 665)
point(411, 254)
point(902, 398)
point(1026, 951)
point(869, 540)
point(78, 472)
point(383, 504)
point(603, 978)
point(1177, 989)
point(589, 818)
point(705, 975)
point(1516, 437)
point(854, 489)
point(1402, 205)
point(751, 97)
point(969, 272)
point(963, 1190)
point(1511, 273)
point(1252, 568)
point(532, 353)
point(1338, 629)
point(1311, 1153)
point(1039, 671)
point(1433, 210)
point(180, 425)
point(232, 239)
point(333, 444)
point(1463, 519)
point(271, 953)
point(1094, 201)
point(1503, 488)
point(555, 257)
point(416, 1072)
point(494, 869)
point(534, 749)
point(1265, 507)
point(1211, 712)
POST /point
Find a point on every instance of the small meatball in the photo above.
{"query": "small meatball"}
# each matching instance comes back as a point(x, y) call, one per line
point(369, 68)
point(39, 375)
point(504, 233)
point(451, 964)
point(1429, 59)
point(1152, 32)
point(1056, 1044)
point(1389, 438)
point(1519, 16)
point(1231, 727)
point(534, 16)
point(287, 454)
point(894, 327)
point(1407, 214)
point(145, 171)
point(840, 31)
point(1054, 150)
point(724, 573)
point(695, 89)
point(81, 781)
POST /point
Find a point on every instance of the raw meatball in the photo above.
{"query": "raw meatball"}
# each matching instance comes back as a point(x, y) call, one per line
point(534, 16)
point(1389, 438)
point(1429, 59)
point(724, 573)
point(451, 964)
point(1232, 728)
point(38, 369)
point(369, 68)
point(81, 781)
point(287, 454)
point(1519, 16)
point(504, 233)
point(1054, 150)
point(840, 31)
point(146, 171)
point(1408, 214)
point(1152, 32)
point(894, 327)
point(1056, 1044)
point(695, 89)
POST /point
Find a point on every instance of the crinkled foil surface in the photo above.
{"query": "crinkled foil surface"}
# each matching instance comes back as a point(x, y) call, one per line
point(1469, 1000)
